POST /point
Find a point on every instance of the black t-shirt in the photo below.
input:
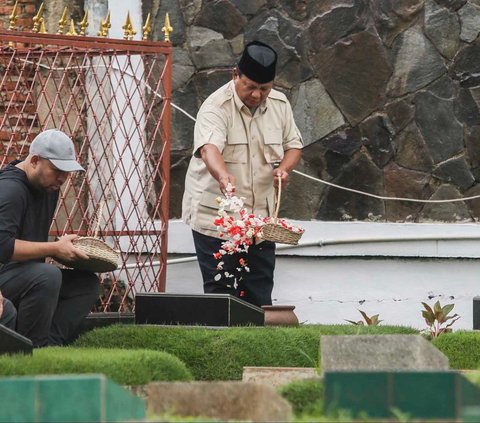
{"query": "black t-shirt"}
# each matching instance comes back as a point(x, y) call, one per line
point(25, 212)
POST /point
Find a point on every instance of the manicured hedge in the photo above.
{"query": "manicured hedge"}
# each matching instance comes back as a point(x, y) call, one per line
point(126, 367)
point(221, 354)
point(462, 349)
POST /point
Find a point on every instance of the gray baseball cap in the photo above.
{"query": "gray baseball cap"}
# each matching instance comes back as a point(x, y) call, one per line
point(57, 147)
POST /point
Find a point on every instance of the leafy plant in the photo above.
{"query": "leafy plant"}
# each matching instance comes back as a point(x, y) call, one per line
point(437, 317)
point(370, 321)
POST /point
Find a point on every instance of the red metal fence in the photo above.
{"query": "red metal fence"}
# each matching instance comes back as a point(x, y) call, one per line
point(113, 98)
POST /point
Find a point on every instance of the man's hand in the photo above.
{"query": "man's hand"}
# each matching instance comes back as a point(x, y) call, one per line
point(224, 181)
point(216, 166)
point(67, 251)
point(282, 175)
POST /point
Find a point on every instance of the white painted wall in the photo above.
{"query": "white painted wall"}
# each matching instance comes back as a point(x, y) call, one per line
point(330, 284)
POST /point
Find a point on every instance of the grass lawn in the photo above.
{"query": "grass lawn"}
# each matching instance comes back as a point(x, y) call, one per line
point(221, 354)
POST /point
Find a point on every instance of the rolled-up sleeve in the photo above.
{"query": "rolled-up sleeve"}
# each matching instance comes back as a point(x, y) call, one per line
point(210, 128)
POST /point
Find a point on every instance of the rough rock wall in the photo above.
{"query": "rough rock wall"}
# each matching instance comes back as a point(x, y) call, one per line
point(386, 94)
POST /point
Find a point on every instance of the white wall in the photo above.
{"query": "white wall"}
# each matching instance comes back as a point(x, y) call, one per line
point(330, 284)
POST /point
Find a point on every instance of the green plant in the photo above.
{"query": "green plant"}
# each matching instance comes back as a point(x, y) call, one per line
point(370, 321)
point(437, 317)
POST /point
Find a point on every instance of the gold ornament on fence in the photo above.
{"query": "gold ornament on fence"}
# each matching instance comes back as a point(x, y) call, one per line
point(128, 30)
point(84, 23)
point(147, 28)
point(105, 26)
point(62, 22)
point(12, 19)
point(71, 29)
point(38, 19)
point(167, 28)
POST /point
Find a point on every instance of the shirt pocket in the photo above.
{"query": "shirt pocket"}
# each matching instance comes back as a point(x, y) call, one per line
point(273, 149)
point(236, 150)
point(207, 210)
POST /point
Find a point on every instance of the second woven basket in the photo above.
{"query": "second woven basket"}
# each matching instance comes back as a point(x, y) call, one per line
point(274, 231)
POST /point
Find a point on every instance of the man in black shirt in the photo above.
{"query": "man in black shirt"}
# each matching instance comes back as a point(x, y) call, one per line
point(50, 302)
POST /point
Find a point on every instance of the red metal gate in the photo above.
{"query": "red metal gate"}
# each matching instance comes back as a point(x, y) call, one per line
point(113, 98)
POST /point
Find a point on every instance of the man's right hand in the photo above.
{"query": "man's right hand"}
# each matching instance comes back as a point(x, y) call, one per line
point(67, 250)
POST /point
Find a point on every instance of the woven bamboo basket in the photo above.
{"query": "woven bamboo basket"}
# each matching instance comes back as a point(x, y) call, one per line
point(101, 257)
point(274, 231)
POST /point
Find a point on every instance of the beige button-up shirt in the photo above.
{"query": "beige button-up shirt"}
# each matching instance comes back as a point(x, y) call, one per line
point(250, 145)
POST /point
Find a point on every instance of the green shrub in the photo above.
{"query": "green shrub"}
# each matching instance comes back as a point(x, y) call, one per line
point(306, 396)
point(126, 367)
point(462, 349)
point(221, 354)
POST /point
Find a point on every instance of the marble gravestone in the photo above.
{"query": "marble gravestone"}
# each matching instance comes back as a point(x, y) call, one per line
point(380, 353)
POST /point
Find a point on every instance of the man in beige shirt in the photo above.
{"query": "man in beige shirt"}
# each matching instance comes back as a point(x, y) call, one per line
point(243, 130)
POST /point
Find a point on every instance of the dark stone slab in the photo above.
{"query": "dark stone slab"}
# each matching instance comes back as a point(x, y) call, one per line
point(378, 139)
point(416, 63)
point(469, 16)
point(400, 113)
point(159, 11)
point(182, 68)
point(445, 212)
point(314, 111)
point(209, 49)
point(411, 150)
point(302, 191)
point(286, 38)
point(466, 109)
point(472, 137)
point(465, 65)
point(453, 5)
point(442, 133)
point(206, 82)
point(340, 21)
point(393, 17)
point(221, 16)
point(182, 125)
point(474, 205)
point(196, 309)
point(405, 183)
point(12, 342)
point(442, 29)
point(444, 88)
point(456, 172)
point(355, 72)
point(360, 174)
point(249, 7)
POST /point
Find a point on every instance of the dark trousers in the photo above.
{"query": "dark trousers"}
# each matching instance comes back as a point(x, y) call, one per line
point(9, 315)
point(255, 286)
point(51, 302)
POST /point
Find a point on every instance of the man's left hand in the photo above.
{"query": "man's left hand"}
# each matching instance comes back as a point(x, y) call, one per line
point(283, 174)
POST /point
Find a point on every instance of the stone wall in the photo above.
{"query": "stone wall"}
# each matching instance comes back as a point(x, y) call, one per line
point(386, 94)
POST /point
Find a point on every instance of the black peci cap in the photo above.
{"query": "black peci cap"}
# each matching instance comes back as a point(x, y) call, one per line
point(258, 62)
